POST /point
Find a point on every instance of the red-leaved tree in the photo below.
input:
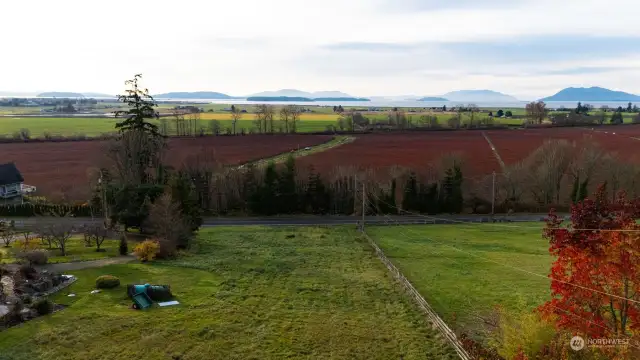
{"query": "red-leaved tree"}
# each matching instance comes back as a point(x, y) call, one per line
point(595, 279)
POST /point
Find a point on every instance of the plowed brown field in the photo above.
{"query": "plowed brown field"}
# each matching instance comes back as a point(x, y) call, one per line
point(63, 166)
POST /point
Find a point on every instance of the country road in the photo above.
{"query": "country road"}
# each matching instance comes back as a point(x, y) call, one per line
point(309, 220)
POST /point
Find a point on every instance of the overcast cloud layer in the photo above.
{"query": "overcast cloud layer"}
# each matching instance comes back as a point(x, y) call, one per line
point(524, 48)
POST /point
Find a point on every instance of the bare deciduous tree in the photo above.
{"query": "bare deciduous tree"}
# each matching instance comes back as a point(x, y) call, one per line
point(536, 112)
point(512, 185)
point(236, 115)
point(294, 111)
point(548, 165)
point(285, 115)
point(214, 127)
point(133, 155)
point(178, 117)
point(193, 123)
point(265, 114)
point(167, 223)
point(96, 234)
point(7, 233)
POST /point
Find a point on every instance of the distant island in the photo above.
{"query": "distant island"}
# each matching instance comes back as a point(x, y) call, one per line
point(433, 98)
point(478, 96)
point(591, 94)
point(200, 95)
point(302, 99)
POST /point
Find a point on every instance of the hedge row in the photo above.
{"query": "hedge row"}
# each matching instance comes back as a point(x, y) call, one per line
point(29, 210)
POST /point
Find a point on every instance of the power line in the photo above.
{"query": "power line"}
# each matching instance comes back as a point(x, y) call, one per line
point(514, 288)
point(520, 269)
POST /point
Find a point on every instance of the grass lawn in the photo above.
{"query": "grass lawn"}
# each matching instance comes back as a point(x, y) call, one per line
point(459, 285)
point(245, 293)
point(76, 251)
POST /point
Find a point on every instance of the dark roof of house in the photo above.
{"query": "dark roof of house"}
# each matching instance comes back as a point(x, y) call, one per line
point(9, 174)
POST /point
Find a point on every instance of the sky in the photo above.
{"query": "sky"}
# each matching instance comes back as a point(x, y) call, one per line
point(526, 48)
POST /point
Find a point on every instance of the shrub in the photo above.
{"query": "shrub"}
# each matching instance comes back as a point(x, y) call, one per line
point(29, 244)
point(124, 247)
point(43, 307)
point(34, 257)
point(521, 331)
point(147, 250)
point(107, 282)
point(28, 272)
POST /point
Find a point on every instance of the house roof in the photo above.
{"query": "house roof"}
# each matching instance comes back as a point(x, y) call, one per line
point(9, 174)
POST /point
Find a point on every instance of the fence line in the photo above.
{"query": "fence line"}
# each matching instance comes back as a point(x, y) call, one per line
point(427, 309)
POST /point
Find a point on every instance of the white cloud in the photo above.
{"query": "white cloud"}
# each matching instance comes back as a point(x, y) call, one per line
point(244, 46)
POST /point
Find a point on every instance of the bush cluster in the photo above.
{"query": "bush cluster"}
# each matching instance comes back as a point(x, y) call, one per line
point(107, 282)
point(147, 250)
point(34, 257)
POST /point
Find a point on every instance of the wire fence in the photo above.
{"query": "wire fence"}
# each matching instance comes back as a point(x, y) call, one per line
point(426, 308)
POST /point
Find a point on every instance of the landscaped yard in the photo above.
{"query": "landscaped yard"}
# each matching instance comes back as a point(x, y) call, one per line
point(75, 251)
point(245, 293)
point(459, 284)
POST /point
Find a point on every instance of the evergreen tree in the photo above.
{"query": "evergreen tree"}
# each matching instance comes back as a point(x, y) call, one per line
point(410, 200)
point(268, 193)
point(141, 107)
point(287, 188)
point(184, 194)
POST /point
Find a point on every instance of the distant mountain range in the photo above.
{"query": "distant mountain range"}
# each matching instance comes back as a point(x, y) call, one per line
point(591, 94)
point(303, 99)
point(478, 96)
point(432, 98)
point(200, 95)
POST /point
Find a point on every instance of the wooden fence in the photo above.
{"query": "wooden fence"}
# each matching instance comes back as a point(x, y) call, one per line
point(426, 308)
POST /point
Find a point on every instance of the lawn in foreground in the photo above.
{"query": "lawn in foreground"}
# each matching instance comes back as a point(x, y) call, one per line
point(460, 286)
point(75, 251)
point(246, 293)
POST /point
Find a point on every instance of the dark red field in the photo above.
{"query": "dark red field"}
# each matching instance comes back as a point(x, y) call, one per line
point(63, 166)
point(515, 145)
point(419, 151)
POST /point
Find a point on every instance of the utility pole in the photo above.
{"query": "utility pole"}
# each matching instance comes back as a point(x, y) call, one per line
point(493, 195)
point(363, 205)
point(104, 199)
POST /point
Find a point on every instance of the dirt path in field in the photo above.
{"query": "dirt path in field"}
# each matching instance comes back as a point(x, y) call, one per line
point(63, 267)
point(495, 151)
point(333, 143)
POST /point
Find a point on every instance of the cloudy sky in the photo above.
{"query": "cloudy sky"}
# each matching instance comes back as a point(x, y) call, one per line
point(526, 48)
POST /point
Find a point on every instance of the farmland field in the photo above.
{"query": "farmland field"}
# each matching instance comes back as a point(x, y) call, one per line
point(63, 167)
point(94, 126)
point(420, 151)
point(246, 293)
point(515, 145)
point(38, 126)
point(447, 264)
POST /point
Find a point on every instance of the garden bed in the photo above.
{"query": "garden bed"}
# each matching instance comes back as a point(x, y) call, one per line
point(24, 291)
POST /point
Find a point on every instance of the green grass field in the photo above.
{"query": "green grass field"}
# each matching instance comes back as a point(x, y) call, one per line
point(39, 126)
point(245, 293)
point(76, 251)
point(459, 285)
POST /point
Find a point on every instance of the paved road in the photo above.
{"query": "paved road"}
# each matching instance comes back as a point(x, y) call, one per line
point(306, 220)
